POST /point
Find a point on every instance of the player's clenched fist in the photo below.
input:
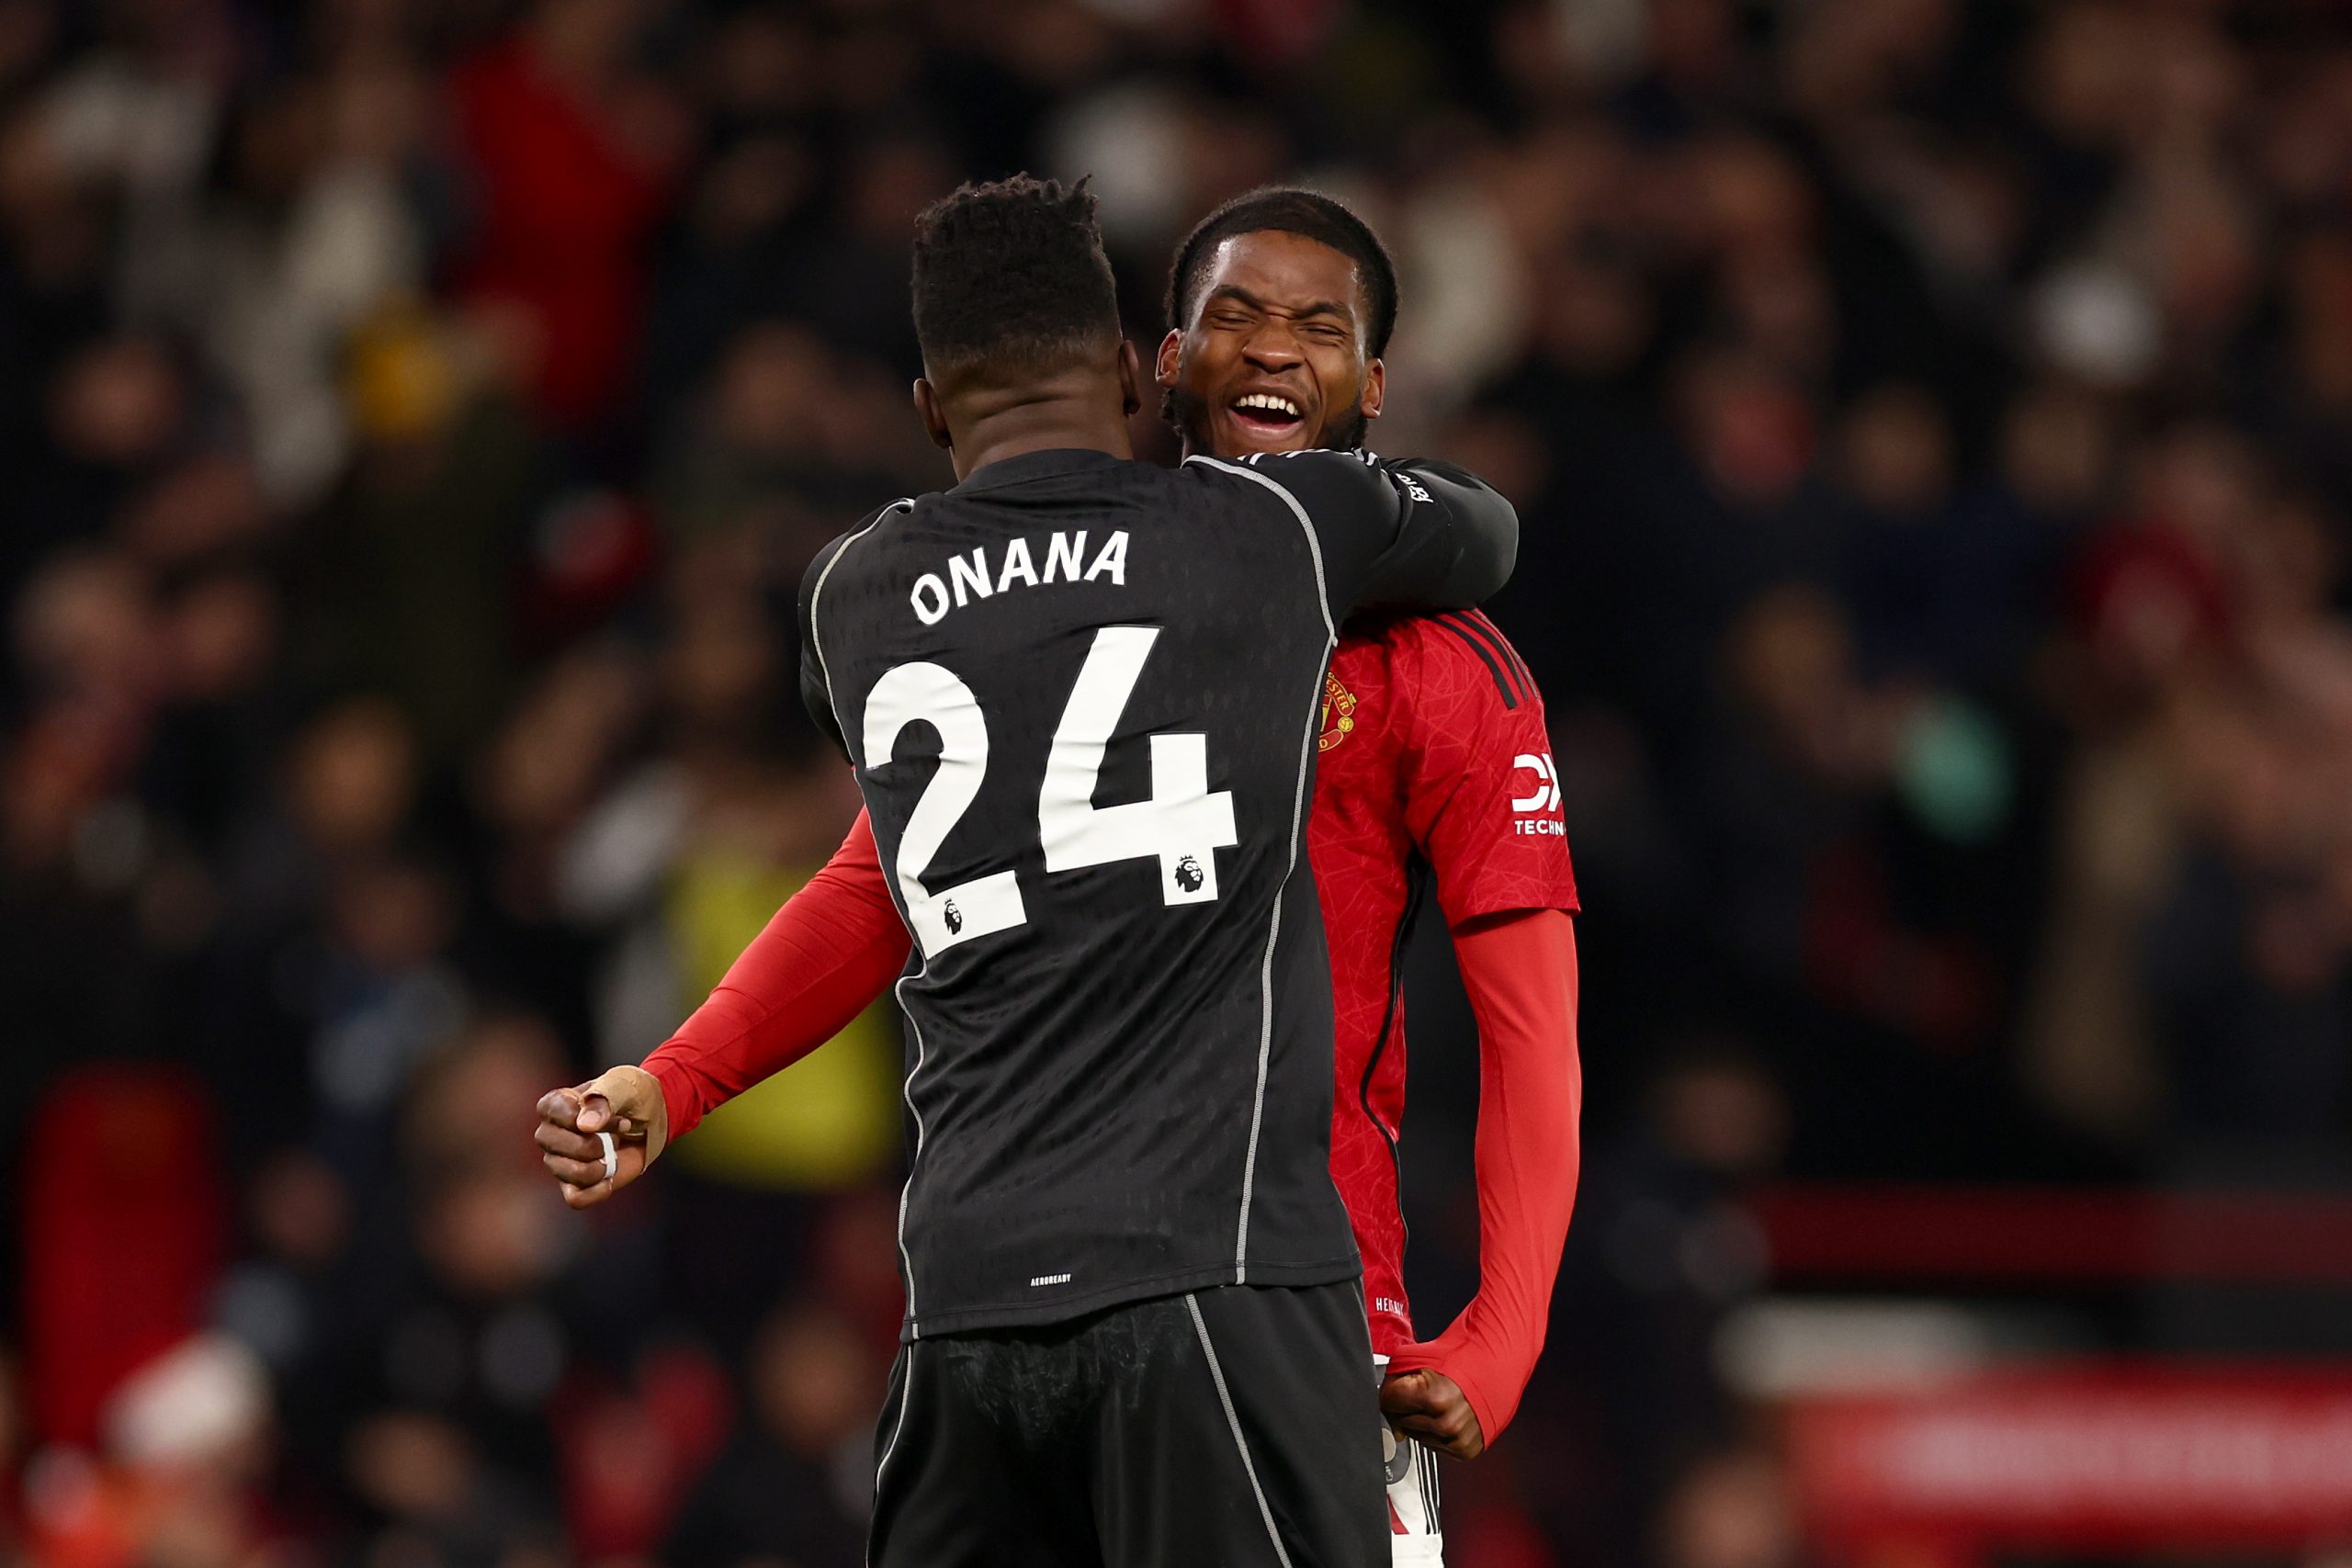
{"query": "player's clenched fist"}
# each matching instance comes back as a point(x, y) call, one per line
point(625, 1102)
point(1431, 1407)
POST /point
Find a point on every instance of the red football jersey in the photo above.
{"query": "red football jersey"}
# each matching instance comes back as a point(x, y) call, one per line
point(1434, 767)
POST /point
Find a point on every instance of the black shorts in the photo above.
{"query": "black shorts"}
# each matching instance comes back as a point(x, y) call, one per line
point(1235, 1425)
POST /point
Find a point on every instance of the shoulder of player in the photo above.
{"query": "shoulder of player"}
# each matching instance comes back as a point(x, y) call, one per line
point(1459, 652)
point(1316, 469)
point(1316, 485)
point(830, 554)
point(1306, 459)
point(1304, 487)
point(823, 566)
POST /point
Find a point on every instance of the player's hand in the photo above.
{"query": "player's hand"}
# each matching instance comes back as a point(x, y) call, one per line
point(626, 1102)
point(1427, 1405)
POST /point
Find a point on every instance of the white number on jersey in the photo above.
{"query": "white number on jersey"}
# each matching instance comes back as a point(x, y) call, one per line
point(931, 693)
point(1182, 825)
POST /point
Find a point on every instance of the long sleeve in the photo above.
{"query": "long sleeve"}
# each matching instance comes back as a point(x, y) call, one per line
point(832, 949)
point(1454, 563)
point(1520, 973)
point(1417, 534)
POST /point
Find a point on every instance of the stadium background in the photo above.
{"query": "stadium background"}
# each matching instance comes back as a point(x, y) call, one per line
point(1933, 426)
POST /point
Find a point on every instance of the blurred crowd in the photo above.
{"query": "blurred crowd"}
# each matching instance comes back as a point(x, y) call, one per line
point(1932, 422)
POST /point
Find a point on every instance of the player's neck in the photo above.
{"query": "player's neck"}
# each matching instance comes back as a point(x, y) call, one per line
point(1075, 411)
point(983, 447)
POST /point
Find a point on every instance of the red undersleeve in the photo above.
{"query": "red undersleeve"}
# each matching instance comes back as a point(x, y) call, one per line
point(832, 949)
point(1520, 973)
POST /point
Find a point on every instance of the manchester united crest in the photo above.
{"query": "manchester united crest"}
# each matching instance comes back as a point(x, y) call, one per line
point(1339, 713)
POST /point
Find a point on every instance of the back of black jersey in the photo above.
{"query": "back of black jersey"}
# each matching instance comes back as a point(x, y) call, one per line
point(1081, 694)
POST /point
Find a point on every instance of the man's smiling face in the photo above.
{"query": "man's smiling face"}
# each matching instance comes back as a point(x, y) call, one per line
point(1273, 359)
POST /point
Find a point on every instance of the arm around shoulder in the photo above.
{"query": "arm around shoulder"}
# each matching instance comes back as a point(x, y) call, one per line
point(1478, 540)
point(1418, 534)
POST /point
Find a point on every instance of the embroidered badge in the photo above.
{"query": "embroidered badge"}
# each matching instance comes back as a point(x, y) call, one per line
point(1339, 713)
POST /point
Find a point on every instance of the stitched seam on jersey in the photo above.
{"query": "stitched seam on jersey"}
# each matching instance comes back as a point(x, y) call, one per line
point(1478, 626)
point(898, 991)
point(1233, 1422)
point(914, 1161)
point(906, 1397)
point(1314, 544)
point(1501, 683)
point(1483, 629)
point(1485, 635)
point(1290, 867)
point(1416, 888)
point(1503, 645)
point(816, 594)
point(1289, 1274)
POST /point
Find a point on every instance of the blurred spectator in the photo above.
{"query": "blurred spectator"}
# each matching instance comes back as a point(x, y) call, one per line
point(1732, 1509)
point(124, 1195)
point(187, 1443)
point(570, 145)
point(793, 1483)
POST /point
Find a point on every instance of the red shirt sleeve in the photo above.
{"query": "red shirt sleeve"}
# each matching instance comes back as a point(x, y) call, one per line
point(1520, 973)
point(832, 949)
point(1482, 795)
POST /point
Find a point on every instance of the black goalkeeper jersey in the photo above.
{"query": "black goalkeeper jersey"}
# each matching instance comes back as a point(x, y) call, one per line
point(1081, 694)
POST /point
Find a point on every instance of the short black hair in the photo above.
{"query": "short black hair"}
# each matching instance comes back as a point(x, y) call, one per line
point(1293, 210)
point(1012, 274)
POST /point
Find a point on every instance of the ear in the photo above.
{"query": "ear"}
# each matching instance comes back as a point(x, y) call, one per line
point(1130, 377)
point(934, 418)
point(1375, 390)
point(1171, 354)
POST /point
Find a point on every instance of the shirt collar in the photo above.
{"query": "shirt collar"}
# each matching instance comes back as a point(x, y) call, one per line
point(1038, 465)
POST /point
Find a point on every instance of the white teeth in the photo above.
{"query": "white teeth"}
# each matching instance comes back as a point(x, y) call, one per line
point(1270, 403)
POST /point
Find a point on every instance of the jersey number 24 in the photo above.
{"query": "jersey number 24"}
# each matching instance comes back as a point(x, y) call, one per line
point(1181, 825)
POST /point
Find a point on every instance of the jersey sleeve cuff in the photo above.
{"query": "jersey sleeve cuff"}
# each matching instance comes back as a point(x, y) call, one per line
point(1435, 1357)
point(1491, 1420)
point(680, 1108)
